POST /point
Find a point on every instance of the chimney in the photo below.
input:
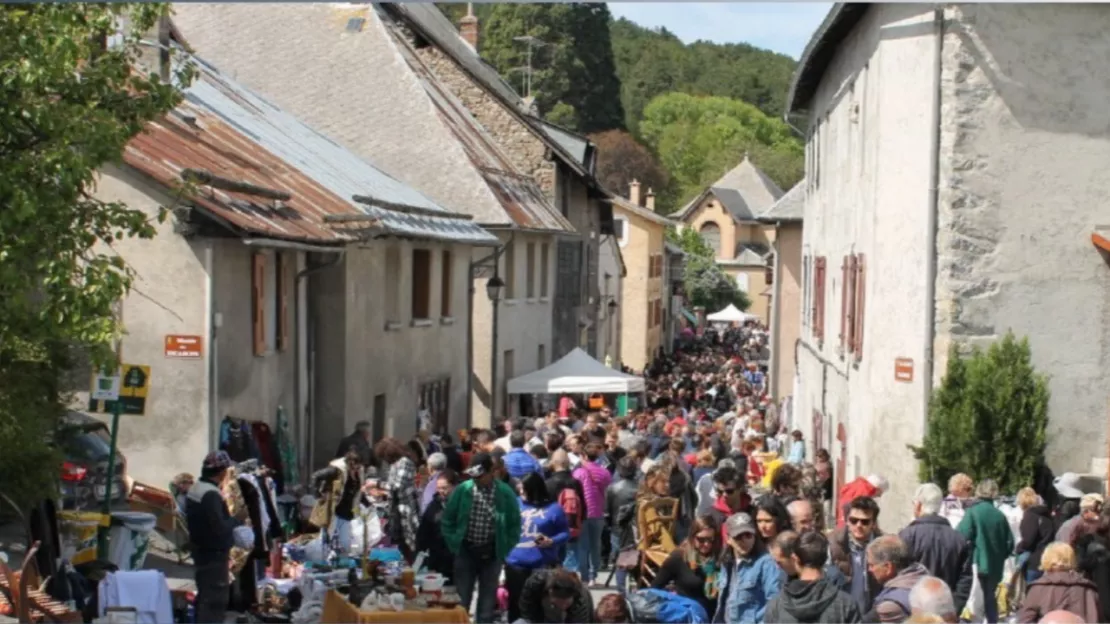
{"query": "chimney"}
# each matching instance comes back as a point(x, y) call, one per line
point(634, 192)
point(468, 27)
point(649, 201)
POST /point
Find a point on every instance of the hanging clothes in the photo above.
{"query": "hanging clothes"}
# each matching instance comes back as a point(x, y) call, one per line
point(236, 440)
point(289, 470)
point(268, 452)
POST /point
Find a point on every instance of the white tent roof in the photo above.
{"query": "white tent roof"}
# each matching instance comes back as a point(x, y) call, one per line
point(731, 314)
point(576, 373)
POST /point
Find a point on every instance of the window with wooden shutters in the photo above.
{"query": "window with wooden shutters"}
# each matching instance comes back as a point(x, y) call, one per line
point(850, 317)
point(446, 284)
point(282, 295)
point(258, 302)
point(845, 295)
point(421, 284)
point(530, 268)
point(544, 268)
point(819, 303)
point(861, 299)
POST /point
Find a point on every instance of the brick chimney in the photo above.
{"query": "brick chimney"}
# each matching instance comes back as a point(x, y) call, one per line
point(468, 27)
point(634, 192)
point(649, 200)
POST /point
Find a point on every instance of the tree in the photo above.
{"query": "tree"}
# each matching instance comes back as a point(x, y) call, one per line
point(574, 66)
point(621, 159)
point(988, 417)
point(70, 100)
point(698, 139)
point(706, 285)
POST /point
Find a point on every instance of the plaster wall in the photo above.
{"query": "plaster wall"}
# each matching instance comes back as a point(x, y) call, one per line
point(610, 285)
point(640, 339)
point(868, 158)
point(786, 325)
point(1023, 185)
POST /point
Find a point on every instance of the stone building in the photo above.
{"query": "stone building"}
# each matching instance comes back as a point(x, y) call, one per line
point(784, 279)
point(954, 184)
point(726, 214)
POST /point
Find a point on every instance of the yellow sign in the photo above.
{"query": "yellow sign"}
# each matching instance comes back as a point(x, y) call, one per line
point(133, 389)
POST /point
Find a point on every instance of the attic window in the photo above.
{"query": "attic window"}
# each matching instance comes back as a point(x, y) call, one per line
point(355, 24)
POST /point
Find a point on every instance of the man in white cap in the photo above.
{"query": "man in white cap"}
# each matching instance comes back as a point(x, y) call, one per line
point(1090, 506)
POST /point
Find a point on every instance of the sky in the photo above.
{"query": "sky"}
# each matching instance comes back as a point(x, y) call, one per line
point(781, 27)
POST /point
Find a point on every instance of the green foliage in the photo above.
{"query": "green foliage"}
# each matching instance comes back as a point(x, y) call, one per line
point(574, 67)
point(651, 63)
point(987, 418)
point(621, 159)
point(705, 283)
point(69, 103)
point(698, 139)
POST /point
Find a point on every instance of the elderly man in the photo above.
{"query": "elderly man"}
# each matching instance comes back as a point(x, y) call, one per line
point(931, 596)
point(890, 563)
point(1090, 506)
point(936, 545)
point(801, 515)
point(437, 463)
point(1061, 617)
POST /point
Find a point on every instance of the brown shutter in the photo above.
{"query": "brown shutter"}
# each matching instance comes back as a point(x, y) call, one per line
point(822, 265)
point(845, 294)
point(853, 284)
point(861, 299)
point(282, 302)
point(258, 302)
point(814, 263)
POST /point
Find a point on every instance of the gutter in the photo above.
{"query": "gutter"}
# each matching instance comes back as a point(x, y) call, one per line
point(931, 227)
point(290, 245)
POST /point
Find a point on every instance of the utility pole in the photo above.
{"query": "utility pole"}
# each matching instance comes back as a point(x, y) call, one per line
point(526, 69)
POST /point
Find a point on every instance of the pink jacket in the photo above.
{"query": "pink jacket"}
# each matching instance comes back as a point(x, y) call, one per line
point(595, 480)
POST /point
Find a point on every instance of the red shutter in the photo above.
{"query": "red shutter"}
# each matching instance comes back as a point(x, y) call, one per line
point(282, 301)
point(258, 302)
point(845, 294)
point(861, 299)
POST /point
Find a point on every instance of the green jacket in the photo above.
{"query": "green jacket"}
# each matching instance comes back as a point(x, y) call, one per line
point(506, 521)
point(988, 531)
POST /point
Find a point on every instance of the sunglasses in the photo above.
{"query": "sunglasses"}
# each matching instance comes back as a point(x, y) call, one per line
point(860, 521)
point(703, 540)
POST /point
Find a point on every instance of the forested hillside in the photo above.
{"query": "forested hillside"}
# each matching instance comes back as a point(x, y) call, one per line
point(675, 116)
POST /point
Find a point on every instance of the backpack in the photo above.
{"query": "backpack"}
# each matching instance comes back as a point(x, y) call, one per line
point(656, 605)
point(574, 509)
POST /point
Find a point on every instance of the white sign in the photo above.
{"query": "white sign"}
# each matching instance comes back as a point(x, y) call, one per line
point(105, 387)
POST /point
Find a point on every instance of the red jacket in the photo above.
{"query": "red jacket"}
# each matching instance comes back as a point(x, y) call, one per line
point(851, 491)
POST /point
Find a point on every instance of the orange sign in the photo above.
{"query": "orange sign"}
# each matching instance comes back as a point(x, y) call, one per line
point(187, 347)
point(903, 369)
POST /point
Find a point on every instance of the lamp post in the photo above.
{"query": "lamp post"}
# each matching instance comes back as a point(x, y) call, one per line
point(493, 288)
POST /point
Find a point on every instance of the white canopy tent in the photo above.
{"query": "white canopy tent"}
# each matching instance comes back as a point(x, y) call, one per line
point(576, 373)
point(731, 314)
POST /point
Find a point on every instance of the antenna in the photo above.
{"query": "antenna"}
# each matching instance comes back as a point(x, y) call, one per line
point(527, 70)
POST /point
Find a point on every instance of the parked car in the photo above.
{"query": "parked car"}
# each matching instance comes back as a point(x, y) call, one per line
point(85, 443)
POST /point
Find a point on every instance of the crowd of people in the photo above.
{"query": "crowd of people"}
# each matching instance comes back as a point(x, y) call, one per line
point(528, 518)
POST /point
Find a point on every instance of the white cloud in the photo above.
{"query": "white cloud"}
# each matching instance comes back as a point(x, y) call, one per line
point(781, 27)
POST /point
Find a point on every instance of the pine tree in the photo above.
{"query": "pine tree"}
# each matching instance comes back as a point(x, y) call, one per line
point(988, 417)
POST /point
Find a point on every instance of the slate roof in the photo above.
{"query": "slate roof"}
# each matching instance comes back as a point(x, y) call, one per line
point(640, 211)
point(224, 130)
point(818, 53)
point(748, 254)
point(789, 207)
point(745, 191)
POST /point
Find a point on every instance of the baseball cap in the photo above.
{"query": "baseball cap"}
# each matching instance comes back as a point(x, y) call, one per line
point(480, 464)
point(738, 524)
point(216, 460)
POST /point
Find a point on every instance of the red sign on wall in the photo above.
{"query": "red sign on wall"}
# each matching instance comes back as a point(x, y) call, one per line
point(903, 369)
point(184, 347)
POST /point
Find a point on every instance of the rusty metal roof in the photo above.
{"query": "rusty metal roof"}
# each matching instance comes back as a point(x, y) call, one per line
point(230, 132)
point(522, 201)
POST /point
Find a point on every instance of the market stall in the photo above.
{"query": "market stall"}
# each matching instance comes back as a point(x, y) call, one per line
point(576, 373)
point(731, 314)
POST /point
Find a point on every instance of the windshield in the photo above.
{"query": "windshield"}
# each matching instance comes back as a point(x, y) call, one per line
point(85, 445)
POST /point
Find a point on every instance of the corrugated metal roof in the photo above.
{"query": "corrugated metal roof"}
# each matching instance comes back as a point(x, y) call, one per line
point(233, 133)
point(522, 201)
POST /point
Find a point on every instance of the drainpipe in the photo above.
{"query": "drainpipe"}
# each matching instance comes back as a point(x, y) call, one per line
point(931, 227)
point(212, 327)
point(300, 422)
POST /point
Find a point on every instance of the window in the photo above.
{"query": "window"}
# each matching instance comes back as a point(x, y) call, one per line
point(541, 357)
point(445, 284)
point(620, 230)
point(435, 396)
point(506, 375)
point(510, 271)
point(807, 290)
point(530, 266)
point(658, 312)
point(818, 308)
point(711, 234)
point(545, 252)
point(269, 304)
point(421, 284)
point(861, 299)
point(847, 302)
point(393, 286)
point(651, 314)
point(378, 425)
point(742, 282)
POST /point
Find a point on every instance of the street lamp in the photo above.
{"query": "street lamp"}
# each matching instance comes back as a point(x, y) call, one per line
point(494, 287)
point(612, 306)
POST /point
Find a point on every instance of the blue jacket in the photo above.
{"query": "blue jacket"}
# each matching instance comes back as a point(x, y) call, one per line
point(550, 521)
point(519, 463)
point(747, 586)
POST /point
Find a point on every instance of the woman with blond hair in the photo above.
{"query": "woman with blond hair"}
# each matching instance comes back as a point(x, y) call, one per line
point(961, 494)
point(1061, 588)
point(1036, 532)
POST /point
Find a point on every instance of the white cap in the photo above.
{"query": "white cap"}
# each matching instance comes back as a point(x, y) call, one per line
point(879, 482)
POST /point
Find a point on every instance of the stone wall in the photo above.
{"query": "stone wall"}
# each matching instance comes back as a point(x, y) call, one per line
point(518, 142)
